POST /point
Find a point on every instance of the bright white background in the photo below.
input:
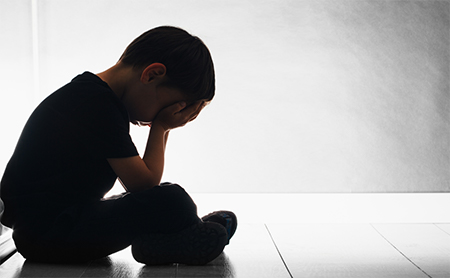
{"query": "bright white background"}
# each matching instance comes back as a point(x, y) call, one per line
point(312, 96)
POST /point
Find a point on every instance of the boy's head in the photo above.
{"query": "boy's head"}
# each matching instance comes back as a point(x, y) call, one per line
point(188, 62)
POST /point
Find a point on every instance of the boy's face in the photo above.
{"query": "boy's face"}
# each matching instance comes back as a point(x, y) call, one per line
point(144, 105)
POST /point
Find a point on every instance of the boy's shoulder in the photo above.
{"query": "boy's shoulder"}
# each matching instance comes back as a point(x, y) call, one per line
point(89, 78)
point(85, 89)
point(86, 85)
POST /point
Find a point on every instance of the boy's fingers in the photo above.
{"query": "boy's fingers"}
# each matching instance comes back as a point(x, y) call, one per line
point(179, 106)
point(192, 109)
point(193, 118)
point(178, 114)
point(174, 108)
point(197, 111)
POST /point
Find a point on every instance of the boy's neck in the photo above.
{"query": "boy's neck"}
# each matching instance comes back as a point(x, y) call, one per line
point(117, 77)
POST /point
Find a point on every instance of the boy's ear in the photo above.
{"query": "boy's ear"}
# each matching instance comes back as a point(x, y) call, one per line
point(152, 72)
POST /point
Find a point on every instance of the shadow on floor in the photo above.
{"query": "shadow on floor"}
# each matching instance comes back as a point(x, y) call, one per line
point(119, 267)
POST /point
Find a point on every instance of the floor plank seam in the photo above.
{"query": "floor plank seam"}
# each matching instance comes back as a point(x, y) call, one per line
point(279, 253)
point(441, 229)
point(7, 246)
point(4, 259)
point(398, 250)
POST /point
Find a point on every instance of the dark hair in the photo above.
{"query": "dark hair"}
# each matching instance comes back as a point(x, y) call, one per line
point(187, 59)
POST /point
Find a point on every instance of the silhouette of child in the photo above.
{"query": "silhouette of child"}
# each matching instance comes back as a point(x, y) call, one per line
point(76, 144)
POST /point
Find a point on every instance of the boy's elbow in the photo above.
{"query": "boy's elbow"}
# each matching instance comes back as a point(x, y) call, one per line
point(134, 174)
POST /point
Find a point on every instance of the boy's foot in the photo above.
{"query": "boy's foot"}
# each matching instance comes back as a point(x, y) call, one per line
point(196, 245)
point(225, 218)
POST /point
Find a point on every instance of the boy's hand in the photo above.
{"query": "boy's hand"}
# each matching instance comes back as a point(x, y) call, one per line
point(177, 115)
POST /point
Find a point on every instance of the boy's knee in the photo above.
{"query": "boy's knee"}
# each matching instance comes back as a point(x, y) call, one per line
point(165, 197)
point(172, 187)
point(176, 196)
point(167, 208)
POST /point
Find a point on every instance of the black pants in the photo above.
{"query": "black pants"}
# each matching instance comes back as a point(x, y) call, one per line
point(90, 231)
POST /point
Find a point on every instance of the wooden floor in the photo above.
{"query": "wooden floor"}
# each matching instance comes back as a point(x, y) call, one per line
point(288, 250)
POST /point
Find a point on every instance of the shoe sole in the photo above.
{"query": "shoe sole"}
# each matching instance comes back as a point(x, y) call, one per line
point(196, 245)
point(232, 228)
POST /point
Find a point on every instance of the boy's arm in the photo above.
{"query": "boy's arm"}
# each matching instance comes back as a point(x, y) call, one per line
point(138, 173)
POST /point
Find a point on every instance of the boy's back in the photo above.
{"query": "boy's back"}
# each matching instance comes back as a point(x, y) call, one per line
point(60, 158)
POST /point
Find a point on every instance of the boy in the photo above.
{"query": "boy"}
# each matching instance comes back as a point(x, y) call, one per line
point(77, 143)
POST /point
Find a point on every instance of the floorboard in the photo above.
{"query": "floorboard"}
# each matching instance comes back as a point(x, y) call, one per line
point(339, 250)
point(12, 267)
point(17, 266)
point(123, 265)
point(7, 247)
point(444, 227)
point(427, 245)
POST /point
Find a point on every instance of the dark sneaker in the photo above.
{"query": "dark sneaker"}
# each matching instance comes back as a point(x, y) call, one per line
point(225, 218)
point(196, 245)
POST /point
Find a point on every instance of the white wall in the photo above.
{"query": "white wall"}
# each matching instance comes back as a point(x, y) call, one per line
point(312, 96)
point(16, 74)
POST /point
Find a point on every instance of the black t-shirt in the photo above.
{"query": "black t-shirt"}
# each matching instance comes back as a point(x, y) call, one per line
point(60, 158)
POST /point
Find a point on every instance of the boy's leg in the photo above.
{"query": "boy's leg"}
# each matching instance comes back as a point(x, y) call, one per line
point(90, 231)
